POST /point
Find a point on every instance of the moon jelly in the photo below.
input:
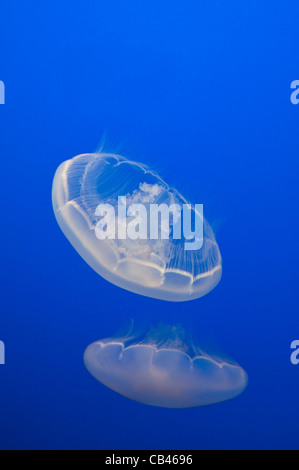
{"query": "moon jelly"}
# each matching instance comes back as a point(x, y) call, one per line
point(165, 375)
point(159, 268)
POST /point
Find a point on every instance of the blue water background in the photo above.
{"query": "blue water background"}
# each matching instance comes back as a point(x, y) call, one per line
point(199, 91)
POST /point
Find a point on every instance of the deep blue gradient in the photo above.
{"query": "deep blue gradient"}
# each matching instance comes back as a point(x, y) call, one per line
point(200, 91)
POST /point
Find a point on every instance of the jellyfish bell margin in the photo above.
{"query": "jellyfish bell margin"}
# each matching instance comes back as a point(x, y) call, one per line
point(164, 376)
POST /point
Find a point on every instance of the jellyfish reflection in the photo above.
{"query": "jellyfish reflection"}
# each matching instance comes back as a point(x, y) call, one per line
point(159, 268)
point(166, 374)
